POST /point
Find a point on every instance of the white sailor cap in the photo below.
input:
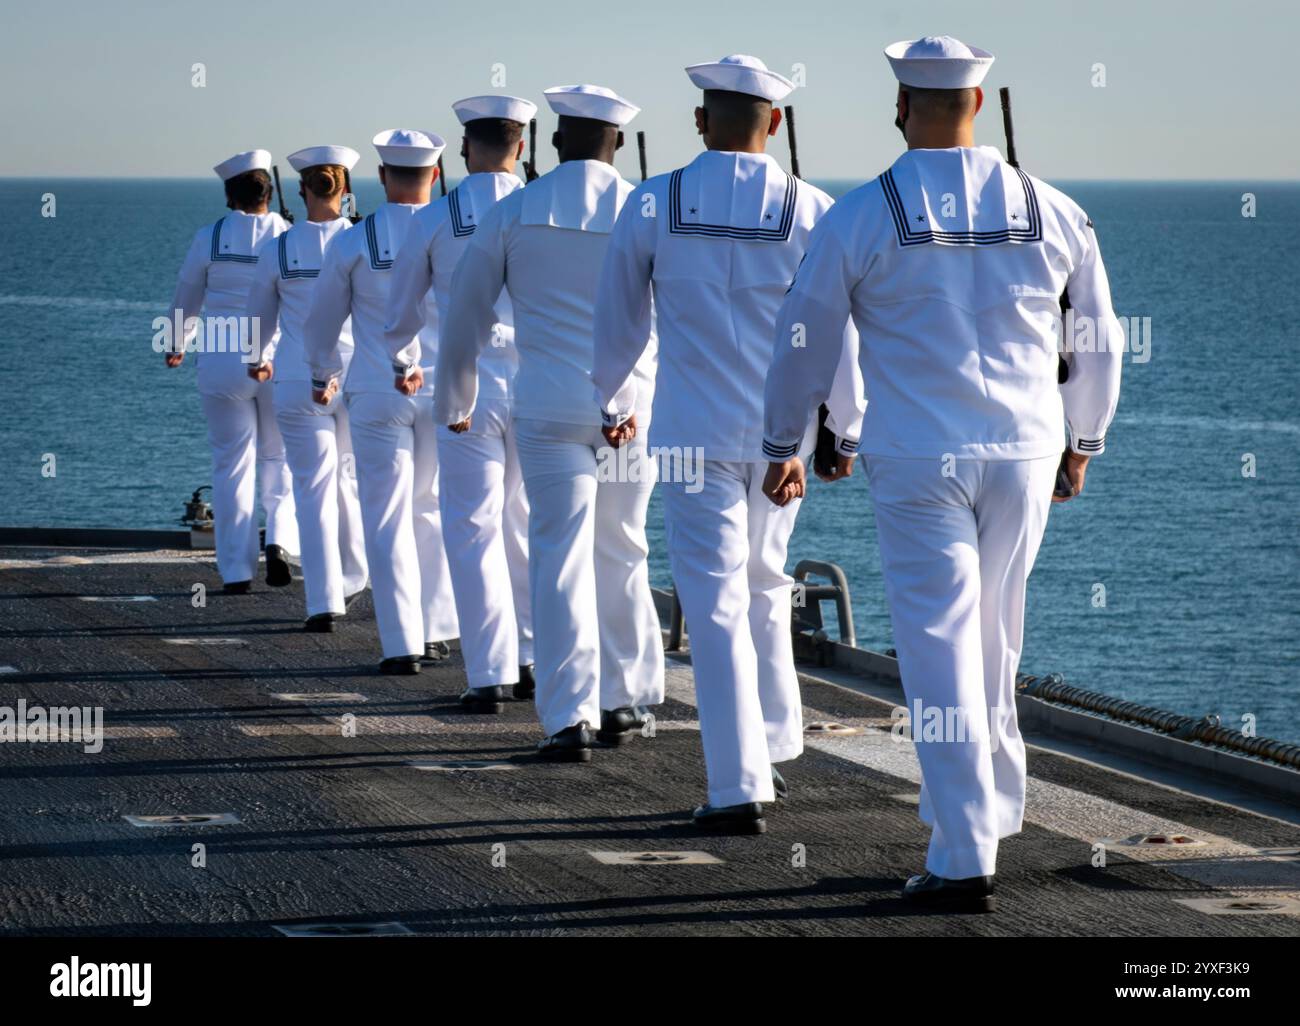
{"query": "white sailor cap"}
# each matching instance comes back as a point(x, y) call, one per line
point(249, 160)
point(591, 101)
point(492, 105)
point(741, 73)
point(409, 147)
point(938, 62)
point(315, 155)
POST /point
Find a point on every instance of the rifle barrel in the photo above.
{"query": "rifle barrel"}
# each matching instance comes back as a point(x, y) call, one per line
point(640, 150)
point(1005, 95)
point(794, 142)
point(530, 166)
point(442, 178)
point(279, 194)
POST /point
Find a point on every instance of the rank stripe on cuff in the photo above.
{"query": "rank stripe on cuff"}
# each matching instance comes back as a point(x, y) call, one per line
point(402, 369)
point(1086, 446)
point(317, 383)
point(846, 446)
point(613, 419)
point(779, 452)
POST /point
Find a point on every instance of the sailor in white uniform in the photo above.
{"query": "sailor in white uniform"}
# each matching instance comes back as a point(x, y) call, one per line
point(484, 508)
point(241, 423)
point(599, 653)
point(951, 264)
point(392, 434)
point(716, 243)
point(317, 442)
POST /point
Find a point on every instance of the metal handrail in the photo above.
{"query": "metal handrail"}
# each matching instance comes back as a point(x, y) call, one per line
point(837, 591)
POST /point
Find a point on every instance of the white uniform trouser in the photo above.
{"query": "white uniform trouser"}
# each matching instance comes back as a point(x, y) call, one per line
point(396, 447)
point(598, 642)
point(727, 548)
point(956, 552)
point(485, 529)
point(247, 451)
point(318, 447)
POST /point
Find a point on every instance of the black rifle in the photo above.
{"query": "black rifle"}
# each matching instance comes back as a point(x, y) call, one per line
point(640, 151)
point(530, 165)
point(355, 216)
point(442, 178)
point(794, 143)
point(1063, 487)
point(279, 194)
point(825, 454)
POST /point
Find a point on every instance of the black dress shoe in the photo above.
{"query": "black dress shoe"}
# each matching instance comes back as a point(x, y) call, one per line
point(527, 686)
point(619, 726)
point(278, 573)
point(731, 819)
point(483, 700)
point(572, 744)
point(237, 587)
point(973, 894)
point(401, 666)
point(435, 652)
point(320, 623)
point(779, 785)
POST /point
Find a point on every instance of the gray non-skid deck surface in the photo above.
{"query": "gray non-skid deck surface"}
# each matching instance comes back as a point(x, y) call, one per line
point(337, 828)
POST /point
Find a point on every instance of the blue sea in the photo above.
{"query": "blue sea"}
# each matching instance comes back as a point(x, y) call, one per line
point(1200, 563)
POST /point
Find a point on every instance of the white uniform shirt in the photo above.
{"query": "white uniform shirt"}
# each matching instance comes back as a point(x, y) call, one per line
point(287, 268)
point(546, 244)
point(718, 242)
point(428, 259)
point(354, 279)
point(214, 280)
point(951, 264)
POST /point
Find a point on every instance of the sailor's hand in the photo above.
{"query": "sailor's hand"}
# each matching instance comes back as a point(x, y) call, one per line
point(175, 359)
point(784, 481)
point(262, 372)
point(409, 384)
point(843, 468)
point(324, 396)
point(625, 432)
point(461, 426)
point(1076, 469)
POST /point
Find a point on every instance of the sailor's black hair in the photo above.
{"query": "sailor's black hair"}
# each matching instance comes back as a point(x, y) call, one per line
point(939, 102)
point(249, 189)
point(499, 135)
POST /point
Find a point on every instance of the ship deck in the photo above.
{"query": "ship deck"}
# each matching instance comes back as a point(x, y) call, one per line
point(339, 829)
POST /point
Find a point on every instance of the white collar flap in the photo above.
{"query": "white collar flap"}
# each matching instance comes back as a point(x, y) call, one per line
point(581, 195)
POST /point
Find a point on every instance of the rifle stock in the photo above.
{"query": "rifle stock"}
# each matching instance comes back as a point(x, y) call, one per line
point(355, 215)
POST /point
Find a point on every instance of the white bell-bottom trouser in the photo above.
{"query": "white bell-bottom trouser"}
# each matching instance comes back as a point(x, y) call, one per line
point(485, 530)
point(727, 548)
point(247, 453)
point(598, 642)
point(395, 444)
point(956, 549)
point(318, 448)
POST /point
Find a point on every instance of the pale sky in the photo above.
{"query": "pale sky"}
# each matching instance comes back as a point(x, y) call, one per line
point(1192, 89)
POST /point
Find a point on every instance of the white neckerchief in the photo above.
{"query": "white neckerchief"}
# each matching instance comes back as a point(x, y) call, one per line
point(963, 196)
point(582, 195)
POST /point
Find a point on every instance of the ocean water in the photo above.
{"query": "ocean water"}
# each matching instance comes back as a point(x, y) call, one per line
point(1200, 563)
